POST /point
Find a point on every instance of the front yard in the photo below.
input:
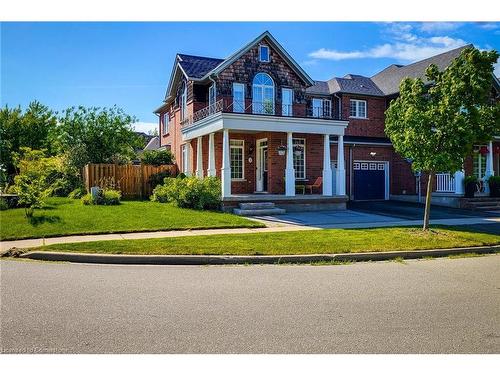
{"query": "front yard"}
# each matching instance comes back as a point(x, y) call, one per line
point(64, 216)
point(301, 242)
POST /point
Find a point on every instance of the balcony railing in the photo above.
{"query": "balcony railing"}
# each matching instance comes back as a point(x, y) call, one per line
point(260, 108)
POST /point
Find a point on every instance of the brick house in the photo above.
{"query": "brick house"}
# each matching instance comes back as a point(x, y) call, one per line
point(261, 124)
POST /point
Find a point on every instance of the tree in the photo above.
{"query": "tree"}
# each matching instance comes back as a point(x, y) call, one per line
point(436, 124)
point(97, 135)
point(36, 176)
point(157, 157)
point(36, 128)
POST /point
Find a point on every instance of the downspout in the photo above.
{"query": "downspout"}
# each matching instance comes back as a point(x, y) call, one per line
point(340, 105)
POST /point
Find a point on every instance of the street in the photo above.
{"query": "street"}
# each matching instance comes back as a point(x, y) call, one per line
point(425, 306)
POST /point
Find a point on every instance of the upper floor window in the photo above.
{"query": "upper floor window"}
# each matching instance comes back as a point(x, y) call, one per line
point(357, 108)
point(264, 53)
point(287, 102)
point(183, 101)
point(166, 122)
point(321, 107)
point(263, 94)
point(238, 97)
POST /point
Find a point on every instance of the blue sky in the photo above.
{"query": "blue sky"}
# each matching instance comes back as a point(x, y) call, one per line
point(128, 64)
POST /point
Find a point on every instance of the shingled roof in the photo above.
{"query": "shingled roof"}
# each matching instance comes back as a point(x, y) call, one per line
point(349, 84)
point(388, 80)
point(197, 66)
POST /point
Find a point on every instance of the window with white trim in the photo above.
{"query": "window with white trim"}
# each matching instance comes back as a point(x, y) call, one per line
point(299, 158)
point(321, 107)
point(286, 102)
point(357, 108)
point(264, 53)
point(184, 102)
point(184, 156)
point(166, 122)
point(211, 98)
point(238, 97)
point(237, 157)
point(263, 94)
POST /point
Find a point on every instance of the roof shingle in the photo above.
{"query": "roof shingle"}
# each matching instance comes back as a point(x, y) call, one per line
point(197, 66)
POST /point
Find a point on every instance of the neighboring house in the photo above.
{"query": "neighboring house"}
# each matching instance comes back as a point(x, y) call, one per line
point(234, 118)
point(153, 144)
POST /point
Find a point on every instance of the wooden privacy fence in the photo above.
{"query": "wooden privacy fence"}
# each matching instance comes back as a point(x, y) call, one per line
point(131, 180)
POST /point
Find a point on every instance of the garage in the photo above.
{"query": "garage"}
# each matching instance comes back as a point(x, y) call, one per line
point(370, 180)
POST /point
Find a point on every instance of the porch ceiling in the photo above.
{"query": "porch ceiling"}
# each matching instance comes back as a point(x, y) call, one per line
point(260, 123)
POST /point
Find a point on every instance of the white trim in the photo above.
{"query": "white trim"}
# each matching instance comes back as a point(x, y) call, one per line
point(289, 107)
point(262, 88)
point(211, 156)
point(357, 116)
point(268, 53)
point(242, 85)
point(259, 186)
point(289, 170)
point(305, 164)
point(242, 147)
point(258, 123)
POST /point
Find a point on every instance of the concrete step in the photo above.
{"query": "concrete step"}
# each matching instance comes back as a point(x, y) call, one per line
point(259, 212)
point(486, 207)
point(257, 206)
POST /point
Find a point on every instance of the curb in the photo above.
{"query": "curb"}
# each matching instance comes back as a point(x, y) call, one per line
point(249, 259)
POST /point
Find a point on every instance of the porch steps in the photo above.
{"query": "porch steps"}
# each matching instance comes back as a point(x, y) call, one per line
point(482, 204)
point(258, 209)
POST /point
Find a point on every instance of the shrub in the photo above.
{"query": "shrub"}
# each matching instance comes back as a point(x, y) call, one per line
point(470, 180)
point(105, 197)
point(157, 157)
point(158, 178)
point(494, 184)
point(3, 205)
point(190, 192)
point(77, 193)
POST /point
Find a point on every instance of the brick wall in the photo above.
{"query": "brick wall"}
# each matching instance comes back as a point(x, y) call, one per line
point(374, 125)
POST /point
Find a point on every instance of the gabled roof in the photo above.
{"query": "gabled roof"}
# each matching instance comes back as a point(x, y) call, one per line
point(388, 80)
point(274, 43)
point(349, 84)
point(153, 144)
point(195, 67)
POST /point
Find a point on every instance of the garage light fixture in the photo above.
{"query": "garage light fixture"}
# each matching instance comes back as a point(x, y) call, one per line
point(372, 154)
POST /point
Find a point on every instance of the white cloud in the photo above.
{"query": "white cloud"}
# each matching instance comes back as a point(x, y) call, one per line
point(406, 46)
point(145, 127)
point(489, 25)
point(433, 27)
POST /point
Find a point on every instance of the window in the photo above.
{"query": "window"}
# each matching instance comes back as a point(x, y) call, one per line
point(479, 165)
point(263, 94)
point(287, 102)
point(357, 108)
point(166, 121)
point(183, 102)
point(238, 97)
point(184, 155)
point(264, 53)
point(321, 107)
point(299, 158)
point(237, 158)
point(211, 98)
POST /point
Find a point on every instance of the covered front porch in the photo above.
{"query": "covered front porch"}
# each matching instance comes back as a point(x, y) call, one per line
point(263, 158)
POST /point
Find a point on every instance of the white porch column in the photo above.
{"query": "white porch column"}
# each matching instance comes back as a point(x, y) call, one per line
point(459, 182)
point(199, 157)
point(289, 170)
point(211, 155)
point(327, 168)
point(489, 167)
point(226, 165)
point(188, 159)
point(340, 166)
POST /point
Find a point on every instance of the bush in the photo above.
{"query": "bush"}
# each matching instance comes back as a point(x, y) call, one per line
point(157, 157)
point(190, 192)
point(158, 178)
point(470, 186)
point(105, 197)
point(494, 184)
point(77, 193)
point(3, 205)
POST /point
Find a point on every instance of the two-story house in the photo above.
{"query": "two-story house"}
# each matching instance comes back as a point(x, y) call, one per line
point(270, 132)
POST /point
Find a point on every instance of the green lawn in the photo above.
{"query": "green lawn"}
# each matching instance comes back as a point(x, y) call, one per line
point(301, 242)
point(64, 216)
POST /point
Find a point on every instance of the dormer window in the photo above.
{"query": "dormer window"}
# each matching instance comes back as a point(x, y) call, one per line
point(264, 53)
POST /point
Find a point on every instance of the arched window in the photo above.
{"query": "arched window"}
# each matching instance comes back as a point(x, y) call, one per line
point(263, 94)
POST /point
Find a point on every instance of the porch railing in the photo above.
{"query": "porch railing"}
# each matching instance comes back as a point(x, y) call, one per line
point(445, 183)
point(259, 108)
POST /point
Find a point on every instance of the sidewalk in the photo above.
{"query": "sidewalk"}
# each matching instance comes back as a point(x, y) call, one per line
point(272, 226)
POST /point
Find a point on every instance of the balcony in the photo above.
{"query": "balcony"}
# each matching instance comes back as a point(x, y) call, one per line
point(261, 109)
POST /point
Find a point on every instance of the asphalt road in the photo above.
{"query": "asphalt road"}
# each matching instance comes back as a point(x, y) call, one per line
point(425, 306)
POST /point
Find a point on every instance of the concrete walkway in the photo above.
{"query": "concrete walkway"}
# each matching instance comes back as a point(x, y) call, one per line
point(346, 219)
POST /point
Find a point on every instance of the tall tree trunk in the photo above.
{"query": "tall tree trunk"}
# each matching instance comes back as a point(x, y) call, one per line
point(428, 196)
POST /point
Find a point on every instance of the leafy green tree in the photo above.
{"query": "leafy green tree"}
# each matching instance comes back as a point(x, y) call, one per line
point(436, 124)
point(35, 128)
point(97, 135)
point(36, 176)
point(157, 157)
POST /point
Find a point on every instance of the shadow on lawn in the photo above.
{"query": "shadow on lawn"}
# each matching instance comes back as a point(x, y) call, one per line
point(38, 220)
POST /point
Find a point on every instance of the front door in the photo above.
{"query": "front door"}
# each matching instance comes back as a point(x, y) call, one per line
point(261, 172)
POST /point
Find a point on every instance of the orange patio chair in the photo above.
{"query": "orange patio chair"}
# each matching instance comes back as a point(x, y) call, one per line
point(316, 184)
